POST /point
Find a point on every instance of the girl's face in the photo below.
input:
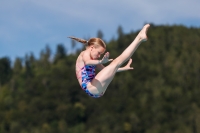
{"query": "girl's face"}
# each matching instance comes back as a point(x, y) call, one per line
point(96, 52)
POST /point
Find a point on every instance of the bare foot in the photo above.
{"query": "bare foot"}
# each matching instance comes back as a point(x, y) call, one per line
point(142, 34)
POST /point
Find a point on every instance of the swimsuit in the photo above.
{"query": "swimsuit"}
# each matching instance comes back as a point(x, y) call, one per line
point(87, 75)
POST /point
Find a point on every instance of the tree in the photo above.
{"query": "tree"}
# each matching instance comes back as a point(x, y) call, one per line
point(45, 57)
point(73, 43)
point(5, 70)
point(60, 53)
point(100, 34)
point(17, 66)
point(120, 32)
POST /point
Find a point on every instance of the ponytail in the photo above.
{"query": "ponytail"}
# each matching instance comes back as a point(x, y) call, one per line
point(79, 40)
point(92, 41)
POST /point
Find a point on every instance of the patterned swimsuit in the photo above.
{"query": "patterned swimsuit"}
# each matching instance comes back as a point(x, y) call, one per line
point(87, 75)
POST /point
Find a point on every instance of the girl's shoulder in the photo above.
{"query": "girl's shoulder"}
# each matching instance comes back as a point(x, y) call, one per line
point(81, 54)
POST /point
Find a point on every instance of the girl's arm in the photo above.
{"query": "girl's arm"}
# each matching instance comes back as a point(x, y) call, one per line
point(88, 61)
point(92, 62)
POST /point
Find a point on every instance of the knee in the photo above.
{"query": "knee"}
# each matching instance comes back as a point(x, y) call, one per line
point(115, 63)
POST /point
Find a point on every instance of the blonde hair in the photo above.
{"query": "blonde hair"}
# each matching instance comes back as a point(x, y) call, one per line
point(96, 42)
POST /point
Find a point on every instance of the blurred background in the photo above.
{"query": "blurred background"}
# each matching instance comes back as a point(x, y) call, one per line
point(27, 26)
point(39, 92)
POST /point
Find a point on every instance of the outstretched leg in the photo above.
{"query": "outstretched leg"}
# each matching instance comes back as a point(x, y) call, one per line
point(100, 83)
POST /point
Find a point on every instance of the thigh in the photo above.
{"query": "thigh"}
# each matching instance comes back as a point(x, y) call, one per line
point(101, 81)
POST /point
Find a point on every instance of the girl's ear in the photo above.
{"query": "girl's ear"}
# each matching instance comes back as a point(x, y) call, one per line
point(91, 47)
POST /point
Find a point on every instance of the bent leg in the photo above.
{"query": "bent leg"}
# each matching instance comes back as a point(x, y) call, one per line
point(100, 83)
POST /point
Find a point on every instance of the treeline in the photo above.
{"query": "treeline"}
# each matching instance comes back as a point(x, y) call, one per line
point(161, 94)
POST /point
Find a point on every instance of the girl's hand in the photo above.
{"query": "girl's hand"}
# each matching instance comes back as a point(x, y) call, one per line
point(105, 58)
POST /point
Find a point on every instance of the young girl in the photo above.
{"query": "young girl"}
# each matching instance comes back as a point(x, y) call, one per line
point(88, 60)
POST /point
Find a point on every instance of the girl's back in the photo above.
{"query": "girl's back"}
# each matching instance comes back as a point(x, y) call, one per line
point(79, 65)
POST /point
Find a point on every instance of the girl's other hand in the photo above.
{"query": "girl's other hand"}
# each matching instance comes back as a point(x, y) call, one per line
point(105, 58)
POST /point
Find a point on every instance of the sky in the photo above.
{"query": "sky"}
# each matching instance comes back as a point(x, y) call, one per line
point(28, 26)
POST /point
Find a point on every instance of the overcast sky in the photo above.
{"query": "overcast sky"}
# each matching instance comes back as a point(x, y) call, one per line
point(29, 25)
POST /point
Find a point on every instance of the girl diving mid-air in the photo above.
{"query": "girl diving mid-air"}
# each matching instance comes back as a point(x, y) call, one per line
point(96, 85)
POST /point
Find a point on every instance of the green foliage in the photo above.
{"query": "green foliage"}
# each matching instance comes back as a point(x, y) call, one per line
point(161, 94)
point(5, 70)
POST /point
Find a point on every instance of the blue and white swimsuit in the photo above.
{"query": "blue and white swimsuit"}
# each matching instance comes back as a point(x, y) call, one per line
point(87, 75)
